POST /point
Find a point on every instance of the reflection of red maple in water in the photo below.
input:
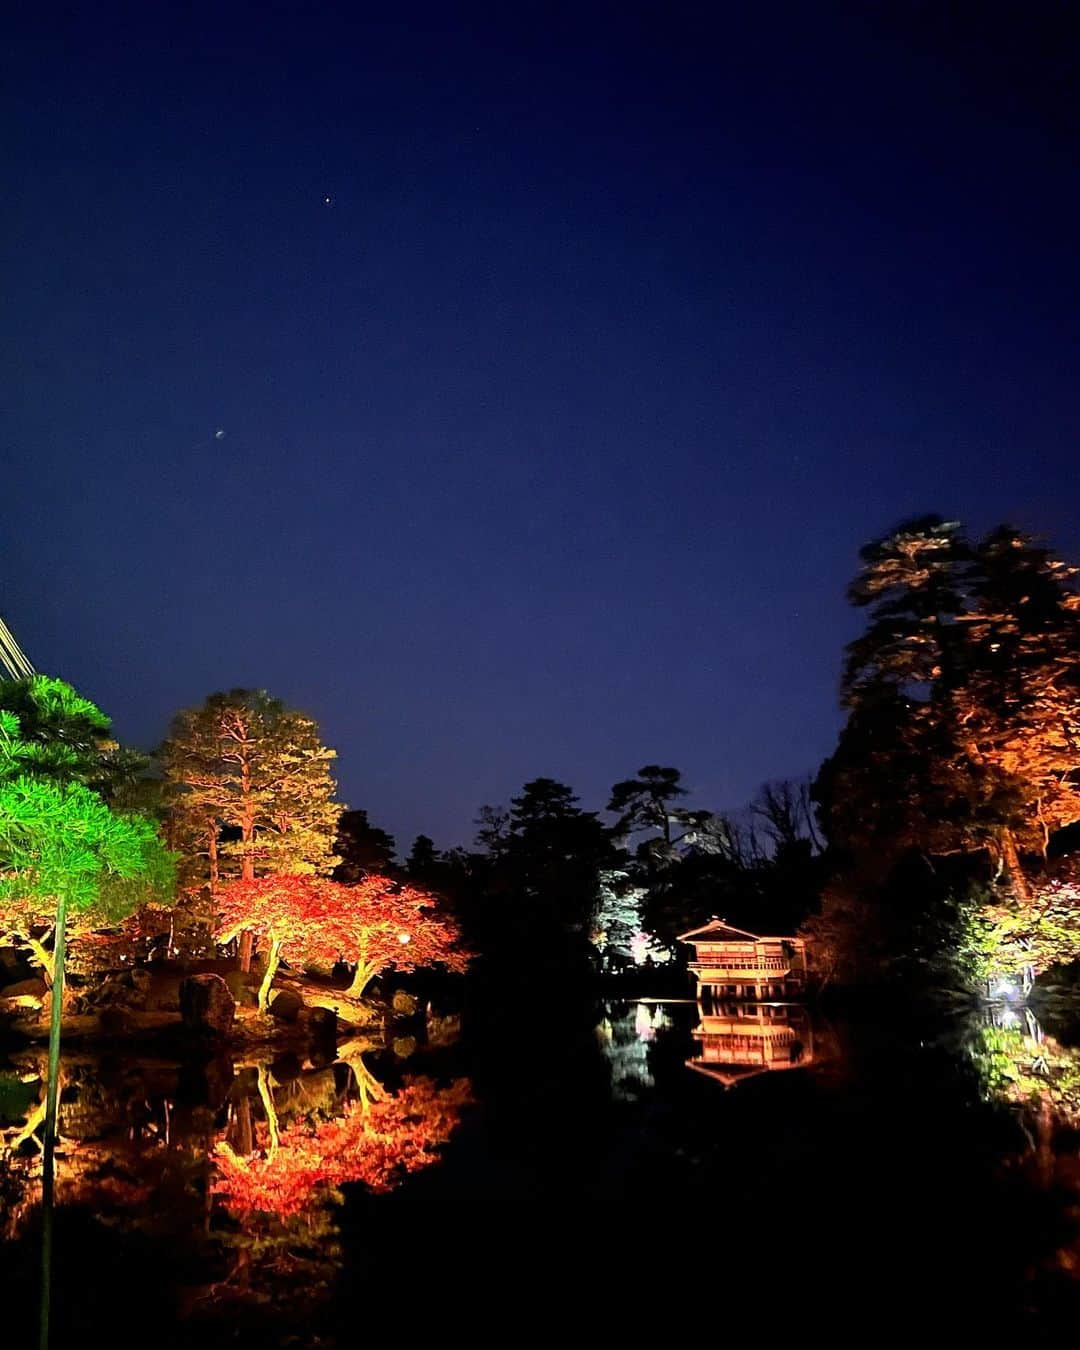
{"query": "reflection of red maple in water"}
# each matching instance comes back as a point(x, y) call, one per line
point(378, 1144)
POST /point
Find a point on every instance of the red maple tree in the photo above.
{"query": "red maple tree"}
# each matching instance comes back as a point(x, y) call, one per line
point(383, 925)
point(377, 924)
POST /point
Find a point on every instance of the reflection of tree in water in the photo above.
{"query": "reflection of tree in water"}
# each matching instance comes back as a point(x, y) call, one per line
point(240, 1173)
point(20, 1188)
point(625, 1034)
point(278, 1173)
point(1019, 1063)
point(376, 1141)
point(1038, 1078)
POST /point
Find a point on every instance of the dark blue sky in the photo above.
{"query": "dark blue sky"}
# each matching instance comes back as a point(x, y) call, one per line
point(551, 441)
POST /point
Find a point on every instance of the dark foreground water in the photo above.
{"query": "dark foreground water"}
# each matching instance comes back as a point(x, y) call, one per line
point(555, 1168)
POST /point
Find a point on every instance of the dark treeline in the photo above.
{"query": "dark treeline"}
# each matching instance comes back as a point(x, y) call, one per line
point(548, 883)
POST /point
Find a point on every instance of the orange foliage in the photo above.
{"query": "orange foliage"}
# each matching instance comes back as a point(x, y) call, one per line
point(378, 1144)
point(290, 910)
point(377, 923)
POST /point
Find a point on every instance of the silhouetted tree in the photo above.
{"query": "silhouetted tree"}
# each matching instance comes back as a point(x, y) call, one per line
point(362, 847)
point(494, 830)
point(423, 862)
point(648, 815)
point(786, 811)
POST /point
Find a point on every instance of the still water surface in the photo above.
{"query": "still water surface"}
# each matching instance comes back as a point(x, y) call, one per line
point(645, 1168)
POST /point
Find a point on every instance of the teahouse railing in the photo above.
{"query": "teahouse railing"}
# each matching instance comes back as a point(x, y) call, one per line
point(771, 963)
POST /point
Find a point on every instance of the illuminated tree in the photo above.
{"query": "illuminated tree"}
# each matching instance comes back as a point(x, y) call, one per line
point(617, 922)
point(912, 580)
point(900, 780)
point(963, 697)
point(249, 792)
point(61, 846)
point(383, 925)
point(1019, 706)
point(68, 739)
point(43, 781)
point(289, 913)
point(376, 924)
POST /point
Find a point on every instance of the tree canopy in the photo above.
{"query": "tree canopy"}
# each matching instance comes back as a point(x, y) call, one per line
point(963, 697)
point(58, 837)
point(249, 789)
point(376, 925)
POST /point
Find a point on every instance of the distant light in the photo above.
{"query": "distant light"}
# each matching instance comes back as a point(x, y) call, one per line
point(643, 1023)
point(328, 201)
point(404, 938)
point(219, 435)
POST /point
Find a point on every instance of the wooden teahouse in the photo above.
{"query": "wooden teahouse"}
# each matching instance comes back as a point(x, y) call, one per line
point(730, 963)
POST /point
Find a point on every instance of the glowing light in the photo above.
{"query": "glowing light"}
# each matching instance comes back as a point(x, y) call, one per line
point(1005, 989)
point(404, 938)
point(642, 949)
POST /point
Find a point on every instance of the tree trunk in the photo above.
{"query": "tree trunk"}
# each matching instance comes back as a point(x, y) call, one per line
point(247, 824)
point(245, 1137)
point(212, 855)
point(267, 1098)
point(362, 977)
point(52, 1096)
point(364, 972)
point(1014, 872)
point(272, 962)
point(1045, 831)
point(247, 863)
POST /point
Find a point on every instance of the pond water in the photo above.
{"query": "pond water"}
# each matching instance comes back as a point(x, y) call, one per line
point(647, 1167)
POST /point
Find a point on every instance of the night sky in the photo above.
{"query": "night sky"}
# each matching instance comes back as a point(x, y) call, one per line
point(551, 439)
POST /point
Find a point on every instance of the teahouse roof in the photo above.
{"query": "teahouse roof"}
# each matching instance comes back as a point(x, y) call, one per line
point(718, 927)
point(731, 1075)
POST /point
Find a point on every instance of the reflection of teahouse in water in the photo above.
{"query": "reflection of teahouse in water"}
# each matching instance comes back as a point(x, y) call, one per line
point(732, 963)
point(741, 1040)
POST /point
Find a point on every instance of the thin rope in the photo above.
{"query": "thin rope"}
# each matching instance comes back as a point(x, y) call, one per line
point(12, 656)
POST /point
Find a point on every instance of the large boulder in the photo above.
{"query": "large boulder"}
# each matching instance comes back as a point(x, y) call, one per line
point(207, 1005)
point(285, 1005)
point(322, 1024)
point(404, 1003)
point(244, 988)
